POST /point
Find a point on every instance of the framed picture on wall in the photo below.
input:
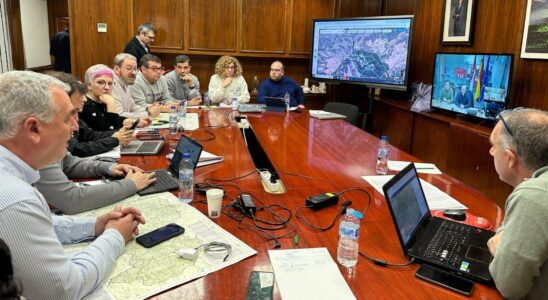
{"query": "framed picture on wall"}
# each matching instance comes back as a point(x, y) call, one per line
point(458, 22)
point(535, 30)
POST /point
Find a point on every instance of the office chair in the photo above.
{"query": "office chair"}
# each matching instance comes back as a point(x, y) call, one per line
point(9, 287)
point(349, 110)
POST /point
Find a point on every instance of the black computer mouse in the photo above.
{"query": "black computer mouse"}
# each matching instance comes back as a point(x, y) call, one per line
point(454, 214)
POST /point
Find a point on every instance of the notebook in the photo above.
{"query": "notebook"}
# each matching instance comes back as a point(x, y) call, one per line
point(325, 115)
point(142, 148)
point(168, 179)
point(447, 244)
point(275, 104)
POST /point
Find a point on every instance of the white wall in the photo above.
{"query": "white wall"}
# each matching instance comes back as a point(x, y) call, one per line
point(34, 21)
point(6, 63)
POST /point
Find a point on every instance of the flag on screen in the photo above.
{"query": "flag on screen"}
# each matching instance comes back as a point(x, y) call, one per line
point(484, 80)
point(478, 84)
point(473, 81)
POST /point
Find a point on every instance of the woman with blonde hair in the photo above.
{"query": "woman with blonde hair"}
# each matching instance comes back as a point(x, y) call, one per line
point(228, 82)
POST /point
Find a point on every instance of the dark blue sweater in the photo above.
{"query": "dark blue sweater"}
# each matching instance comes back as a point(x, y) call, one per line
point(271, 88)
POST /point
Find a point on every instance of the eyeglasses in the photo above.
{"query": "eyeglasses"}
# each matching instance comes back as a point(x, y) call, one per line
point(155, 69)
point(103, 83)
point(275, 70)
point(131, 69)
point(151, 37)
point(230, 67)
point(500, 117)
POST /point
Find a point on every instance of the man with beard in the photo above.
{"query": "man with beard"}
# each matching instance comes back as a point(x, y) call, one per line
point(125, 68)
point(181, 83)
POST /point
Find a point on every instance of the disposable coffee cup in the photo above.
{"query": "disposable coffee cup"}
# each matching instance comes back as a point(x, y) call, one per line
point(214, 202)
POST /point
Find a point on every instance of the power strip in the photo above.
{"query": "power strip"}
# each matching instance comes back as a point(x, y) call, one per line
point(272, 187)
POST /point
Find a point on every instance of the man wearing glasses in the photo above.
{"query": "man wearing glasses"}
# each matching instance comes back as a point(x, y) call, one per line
point(125, 70)
point(278, 85)
point(150, 88)
point(520, 247)
point(138, 46)
point(182, 84)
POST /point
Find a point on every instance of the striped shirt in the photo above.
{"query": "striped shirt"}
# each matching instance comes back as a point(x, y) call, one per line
point(35, 238)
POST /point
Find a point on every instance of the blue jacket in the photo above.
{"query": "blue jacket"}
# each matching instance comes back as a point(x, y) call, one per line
point(271, 88)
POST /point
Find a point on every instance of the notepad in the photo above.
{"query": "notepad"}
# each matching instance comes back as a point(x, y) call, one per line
point(325, 115)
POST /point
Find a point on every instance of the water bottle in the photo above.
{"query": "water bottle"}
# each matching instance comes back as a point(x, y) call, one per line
point(173, 120)
point(182, 109)
point(382, 156)
point(207, 103)
point(234, 103)
point(287, 99)
point(349, 231)
point(186, 175)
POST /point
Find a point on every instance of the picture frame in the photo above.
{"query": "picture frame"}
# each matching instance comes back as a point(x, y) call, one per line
point(534, 31)
point(458, 22)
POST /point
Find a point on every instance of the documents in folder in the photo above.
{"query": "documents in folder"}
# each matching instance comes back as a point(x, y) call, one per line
point(325, 115)
point(308, 274)
point(205, 159)
point(436, 198)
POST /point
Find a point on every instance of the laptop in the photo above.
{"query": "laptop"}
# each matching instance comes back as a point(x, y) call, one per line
point(142, 148)
point(168, 179)
point(447, 244)
point(275, 104)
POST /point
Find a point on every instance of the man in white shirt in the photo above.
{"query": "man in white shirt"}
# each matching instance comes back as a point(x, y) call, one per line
point(36, 120)
point(182, 84)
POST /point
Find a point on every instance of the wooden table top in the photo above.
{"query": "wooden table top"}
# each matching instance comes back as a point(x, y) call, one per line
point(311, 157)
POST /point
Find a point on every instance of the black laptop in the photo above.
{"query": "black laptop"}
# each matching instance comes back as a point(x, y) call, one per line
point(275, 104)
point(169, 179)
point(450, 245)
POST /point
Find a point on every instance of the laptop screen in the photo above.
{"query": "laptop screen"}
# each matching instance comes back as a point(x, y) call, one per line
point(186, 144)
point(407, 203)
point(274, 101)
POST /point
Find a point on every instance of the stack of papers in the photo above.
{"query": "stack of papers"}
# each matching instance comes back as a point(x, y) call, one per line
point(322, 115)
point(436, 198)
point(426, 168)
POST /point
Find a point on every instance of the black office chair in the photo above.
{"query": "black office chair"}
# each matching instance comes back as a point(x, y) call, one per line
point(9, 287)
point(349, 110)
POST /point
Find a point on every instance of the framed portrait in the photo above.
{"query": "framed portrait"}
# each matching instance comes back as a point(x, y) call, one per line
point(535, 30)
point(458, 22)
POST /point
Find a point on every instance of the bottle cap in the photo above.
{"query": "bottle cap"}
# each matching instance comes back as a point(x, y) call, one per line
point(384, 137)
point(358, 214)
point(186, 155)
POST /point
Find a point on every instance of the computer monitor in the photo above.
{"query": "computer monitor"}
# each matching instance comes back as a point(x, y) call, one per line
point(472, 84)
point(373, 51)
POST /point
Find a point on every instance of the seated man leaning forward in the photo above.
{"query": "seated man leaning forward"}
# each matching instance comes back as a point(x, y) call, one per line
point(278, 84)
point(150, 88)
point(182, 84)
point(36, 120)
point(520, 247)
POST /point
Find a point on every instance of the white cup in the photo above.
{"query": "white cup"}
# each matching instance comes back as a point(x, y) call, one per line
point(214, 202)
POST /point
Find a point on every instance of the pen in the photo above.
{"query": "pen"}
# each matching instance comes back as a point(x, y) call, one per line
point(425, 168)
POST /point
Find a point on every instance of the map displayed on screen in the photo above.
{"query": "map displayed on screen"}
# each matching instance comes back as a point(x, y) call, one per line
point(373, 51)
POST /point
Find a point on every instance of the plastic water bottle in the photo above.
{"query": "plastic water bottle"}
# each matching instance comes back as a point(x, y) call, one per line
point(173, 120)
point(382, 156)
point(186, 178)
point(207, 103)
point(349, 231)
point(235, 103)
point(287, 99)
point(182, 109)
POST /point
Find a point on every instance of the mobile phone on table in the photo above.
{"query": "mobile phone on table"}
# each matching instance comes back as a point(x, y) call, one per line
point(260, 286)
point(160, 235)
point(134, 125)
point(445, 279)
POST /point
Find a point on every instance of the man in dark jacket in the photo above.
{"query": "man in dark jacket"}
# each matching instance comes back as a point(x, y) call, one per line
point(138, 46)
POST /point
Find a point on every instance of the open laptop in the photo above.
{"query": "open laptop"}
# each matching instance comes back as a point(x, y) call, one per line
point(142, 148)
point(275, 104)
point(446, 244)
point(168, 179)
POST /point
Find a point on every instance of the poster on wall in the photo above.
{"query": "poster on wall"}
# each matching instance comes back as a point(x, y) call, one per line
point(458, 22)
point(535, 30)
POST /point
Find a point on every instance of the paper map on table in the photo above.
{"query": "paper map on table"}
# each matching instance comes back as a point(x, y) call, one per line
point(140, 272)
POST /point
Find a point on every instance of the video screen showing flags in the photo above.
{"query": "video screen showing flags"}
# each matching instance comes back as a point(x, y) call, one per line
point(472, 84)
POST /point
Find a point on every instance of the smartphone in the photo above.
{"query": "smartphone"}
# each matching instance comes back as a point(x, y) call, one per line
point(445, 279)
point(260, 286)
point(160, 235)
point(134, 125)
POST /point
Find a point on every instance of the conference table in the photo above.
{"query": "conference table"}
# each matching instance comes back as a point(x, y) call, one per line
point(311, 157)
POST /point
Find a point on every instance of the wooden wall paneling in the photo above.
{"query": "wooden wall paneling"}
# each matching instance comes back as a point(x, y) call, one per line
point(213, 26)
point(263, 26)
point(398, 7)
point(358, 8)
point(89, 47)
point(394, 122)
point(13, 9)
point(167, 16)
point(304, 11)
point(534, 90)
point(430, 140)
point(468, 160)
point(57, 9)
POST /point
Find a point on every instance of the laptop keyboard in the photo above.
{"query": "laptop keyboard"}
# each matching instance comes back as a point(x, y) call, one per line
point(447, 242)
point(147, 147)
